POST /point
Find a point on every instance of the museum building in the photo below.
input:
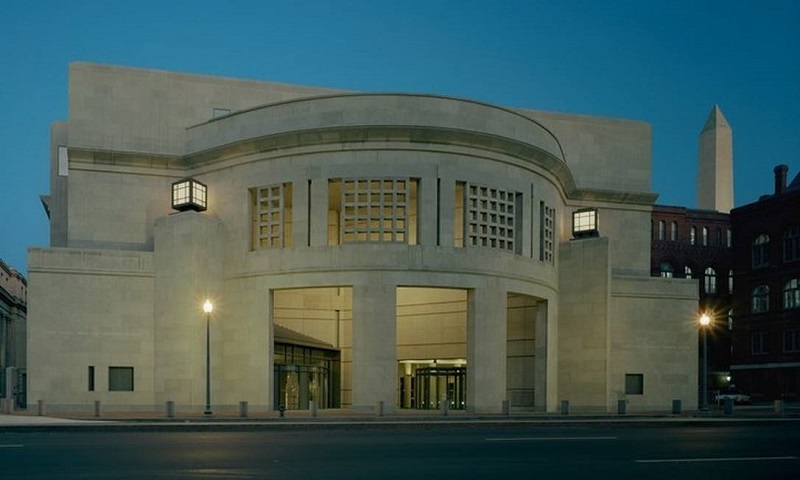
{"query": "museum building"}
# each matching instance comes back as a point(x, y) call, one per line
point(355, 249)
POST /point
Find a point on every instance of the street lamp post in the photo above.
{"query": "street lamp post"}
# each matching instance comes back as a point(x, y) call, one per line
point(208, 307)
point(705, 321)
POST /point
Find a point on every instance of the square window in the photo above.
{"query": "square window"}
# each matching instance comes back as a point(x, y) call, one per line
point(120, 379)
point(634, 384)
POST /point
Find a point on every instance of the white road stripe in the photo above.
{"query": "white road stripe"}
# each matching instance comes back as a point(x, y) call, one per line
point(721, 459)
point(545, 439)
point(12, 446)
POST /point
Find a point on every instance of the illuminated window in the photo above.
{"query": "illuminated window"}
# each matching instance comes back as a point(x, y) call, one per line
point(584, 223)
point(705, 236)
point(673, 231)
point(271, 211)
point(693, 235)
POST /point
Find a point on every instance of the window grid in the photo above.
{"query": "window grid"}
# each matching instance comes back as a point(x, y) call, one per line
point(269, 216)
point(760, 251)
point(760, 299)
point(374, 210)
point(791, 294)
point(710, 280)
point(491, 216)
point(548, 223)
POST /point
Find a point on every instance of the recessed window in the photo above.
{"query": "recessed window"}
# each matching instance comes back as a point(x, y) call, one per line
point(373, 210)
point(705, 236)
point(729, 241)
point(546, 233)
point(759, 343)
point(791, 294)
point(91, 378)
point(687, 272)
point(673, 231)
point(710, 280)
point(662, 226)
point(761, 251)
point(730, 281)
point(666, 270)
point(634, 384)
point(120, 379)
point(791, 244)
point(584, 223)
point(693, 236)
point(271, 208)
point(791, 341)
point(759, 299)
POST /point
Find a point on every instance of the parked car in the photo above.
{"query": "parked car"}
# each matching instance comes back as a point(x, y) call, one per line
point(736, 395)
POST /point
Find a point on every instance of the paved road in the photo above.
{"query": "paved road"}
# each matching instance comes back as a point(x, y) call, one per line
point(395, 452)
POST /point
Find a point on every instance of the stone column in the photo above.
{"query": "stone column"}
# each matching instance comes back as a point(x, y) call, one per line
point(486, 348)
point(319, 212)
point(540, 365)
point(188, 269)
point(374, 346)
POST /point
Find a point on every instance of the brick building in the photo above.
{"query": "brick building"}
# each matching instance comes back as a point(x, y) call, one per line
point(766, 301)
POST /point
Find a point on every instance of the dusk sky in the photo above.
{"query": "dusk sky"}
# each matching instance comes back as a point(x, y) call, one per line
point(666, 63)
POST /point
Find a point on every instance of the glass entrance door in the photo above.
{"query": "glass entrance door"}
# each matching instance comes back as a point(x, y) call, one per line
point(428, 387)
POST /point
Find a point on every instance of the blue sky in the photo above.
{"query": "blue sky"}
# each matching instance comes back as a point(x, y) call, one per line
point(663, 62)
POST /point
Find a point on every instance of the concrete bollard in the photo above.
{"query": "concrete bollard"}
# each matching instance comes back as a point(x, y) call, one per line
point(379, 408)
point(97, 408)
point(564, 407)
point(40, 407)
point(728, 406)
point(676, 407)
point(622, 407)
point(313, 408)
point(506, 408)
point(778, 407)
point(170, 409)
point(243, 409)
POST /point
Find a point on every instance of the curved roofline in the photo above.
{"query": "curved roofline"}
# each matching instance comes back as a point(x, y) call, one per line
point(389, 94)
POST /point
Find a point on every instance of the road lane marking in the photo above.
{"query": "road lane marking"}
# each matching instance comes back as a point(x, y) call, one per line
point(721, 459)
point(544, 439)
point(12, 446)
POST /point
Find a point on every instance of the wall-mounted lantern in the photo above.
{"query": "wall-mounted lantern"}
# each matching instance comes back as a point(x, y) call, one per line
point(584, 223)
point(189, 194)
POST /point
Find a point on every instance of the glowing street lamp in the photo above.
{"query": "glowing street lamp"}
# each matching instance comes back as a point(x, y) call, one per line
point(208, 307)
point(705, 321)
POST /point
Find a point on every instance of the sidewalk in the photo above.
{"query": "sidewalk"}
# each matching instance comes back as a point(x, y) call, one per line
point(348, 418)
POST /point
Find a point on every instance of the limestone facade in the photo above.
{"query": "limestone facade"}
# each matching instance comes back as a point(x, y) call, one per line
point(405, 231)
